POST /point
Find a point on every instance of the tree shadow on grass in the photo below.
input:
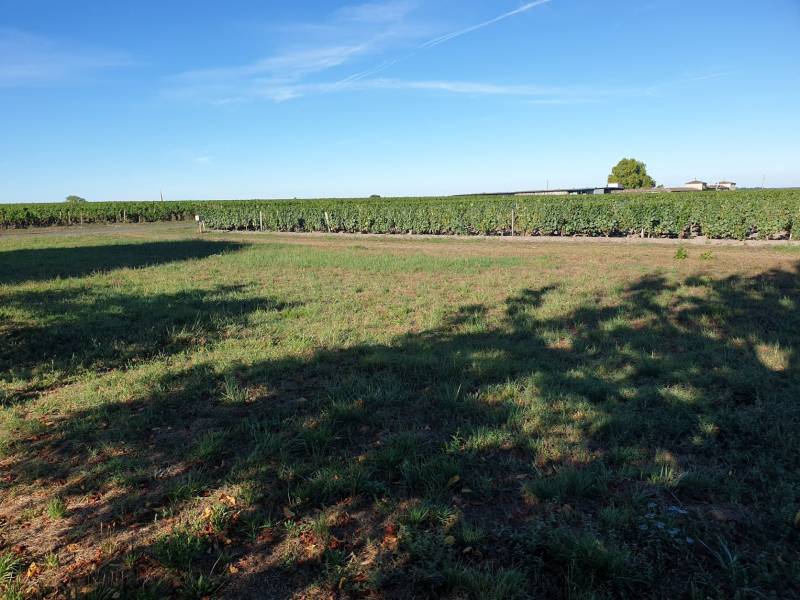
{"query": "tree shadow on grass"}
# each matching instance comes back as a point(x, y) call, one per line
point(646, 447)
point(65, 331)
point(41, 264)
point(76, 334)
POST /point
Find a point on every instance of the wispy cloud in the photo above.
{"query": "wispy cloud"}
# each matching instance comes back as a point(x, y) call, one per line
point(295, 72)
point(27, 59)
point(289, 65)
point(376, 12)
point(467, 87)
point(455, 34)
point(533, 94)
point(350, 33)
point(371, 28)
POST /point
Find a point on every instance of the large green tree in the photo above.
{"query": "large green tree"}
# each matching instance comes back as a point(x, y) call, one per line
point(74, 199)
point(631, 173)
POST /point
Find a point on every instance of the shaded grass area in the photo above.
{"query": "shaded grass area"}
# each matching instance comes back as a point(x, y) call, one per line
point(21, 265)
point(323, 419)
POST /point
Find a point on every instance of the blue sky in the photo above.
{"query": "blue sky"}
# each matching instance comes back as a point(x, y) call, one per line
point(123, 100)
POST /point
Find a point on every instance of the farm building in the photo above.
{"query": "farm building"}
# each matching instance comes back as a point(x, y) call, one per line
point(725, 185)
point(696, 184)
point(573, 191)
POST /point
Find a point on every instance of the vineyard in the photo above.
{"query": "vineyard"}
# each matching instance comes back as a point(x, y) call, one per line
point(759, 214)
point(45, 215)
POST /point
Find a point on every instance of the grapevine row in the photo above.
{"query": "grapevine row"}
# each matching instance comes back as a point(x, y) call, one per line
point(732, 215)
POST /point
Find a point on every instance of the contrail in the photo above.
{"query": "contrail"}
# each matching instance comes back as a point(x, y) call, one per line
point(434, 42)
point(449, 36)
point(373, 71)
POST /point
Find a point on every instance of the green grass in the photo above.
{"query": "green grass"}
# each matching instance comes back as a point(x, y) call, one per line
point(9, 566)
point(275, 416)
point(56, 509)
point(179, 549)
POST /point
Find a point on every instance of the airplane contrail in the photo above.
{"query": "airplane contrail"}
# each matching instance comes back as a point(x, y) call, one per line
point(435, 42)
point(454, 34)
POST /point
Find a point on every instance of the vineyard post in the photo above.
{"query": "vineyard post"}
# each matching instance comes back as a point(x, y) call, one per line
point(124, 215)
point(81, 219)
point(261, 220)
point(327, 221)
point(512, 222)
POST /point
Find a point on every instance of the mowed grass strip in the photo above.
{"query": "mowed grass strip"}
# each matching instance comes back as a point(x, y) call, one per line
point(261, 416)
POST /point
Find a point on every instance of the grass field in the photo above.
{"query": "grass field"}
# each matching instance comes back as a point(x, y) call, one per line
point(265, 416)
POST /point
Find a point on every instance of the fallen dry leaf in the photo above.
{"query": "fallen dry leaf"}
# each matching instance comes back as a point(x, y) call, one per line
point(33, 570)
point(390, 542)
